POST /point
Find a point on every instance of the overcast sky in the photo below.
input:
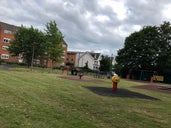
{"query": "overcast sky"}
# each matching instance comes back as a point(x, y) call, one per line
point(88, 25)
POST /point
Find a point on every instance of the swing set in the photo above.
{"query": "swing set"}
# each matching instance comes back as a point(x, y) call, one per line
point(145, 75)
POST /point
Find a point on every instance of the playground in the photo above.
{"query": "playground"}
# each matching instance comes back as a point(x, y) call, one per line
point(156, 88)
point(108, 91)
point(83, 79)
point(41, 99)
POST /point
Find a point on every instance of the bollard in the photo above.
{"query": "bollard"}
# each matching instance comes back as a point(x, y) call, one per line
point(114, 89)
point(115, 80)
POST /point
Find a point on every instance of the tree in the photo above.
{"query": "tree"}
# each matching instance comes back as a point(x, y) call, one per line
point(54, 39)
point(105, 64)
point(147, 49)
point(86, 65)
point(164, 59)
point(140, 50)
point(34, 44)
point(29, 42)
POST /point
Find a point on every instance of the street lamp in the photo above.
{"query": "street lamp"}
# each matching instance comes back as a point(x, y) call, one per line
point(32, 59)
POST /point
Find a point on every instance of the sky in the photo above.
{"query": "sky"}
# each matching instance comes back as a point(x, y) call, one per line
point(88, 25)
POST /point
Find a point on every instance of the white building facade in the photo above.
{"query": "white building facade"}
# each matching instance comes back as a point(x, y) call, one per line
point(91, 59)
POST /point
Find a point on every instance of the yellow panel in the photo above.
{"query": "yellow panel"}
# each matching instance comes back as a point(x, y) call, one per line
point(158, 78)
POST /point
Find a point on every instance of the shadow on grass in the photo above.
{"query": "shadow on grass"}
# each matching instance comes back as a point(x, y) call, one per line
point(103, 91)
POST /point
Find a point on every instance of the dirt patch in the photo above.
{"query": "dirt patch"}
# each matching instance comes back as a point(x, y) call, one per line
point(83, 79)
point(155, 88)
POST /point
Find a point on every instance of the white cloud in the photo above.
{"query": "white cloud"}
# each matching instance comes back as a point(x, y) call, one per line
point(167, 11)
point(117, 7)
point(102, 18)
point(137, 27)
point(87, 15)
point(95, 25)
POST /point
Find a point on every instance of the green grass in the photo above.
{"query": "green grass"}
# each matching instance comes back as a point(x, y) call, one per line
point(38, 99)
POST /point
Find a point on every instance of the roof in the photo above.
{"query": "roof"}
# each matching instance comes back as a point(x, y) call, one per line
point(93, 54)
point(88, 53)
point(74, 52)
point(69, 52)
point(9, 27)
point(65, 43)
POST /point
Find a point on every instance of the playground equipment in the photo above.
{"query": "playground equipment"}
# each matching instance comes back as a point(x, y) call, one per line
point(80, 74)
point(115, 80)
point(144, 75)
point(65, 70)
point(157, 78)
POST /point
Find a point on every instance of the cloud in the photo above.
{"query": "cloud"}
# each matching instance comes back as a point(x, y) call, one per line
point(96, 25)
point(118, 8)
point(166, 11)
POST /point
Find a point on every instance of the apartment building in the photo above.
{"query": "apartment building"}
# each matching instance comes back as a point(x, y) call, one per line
point(63, 58)
point(6, 34)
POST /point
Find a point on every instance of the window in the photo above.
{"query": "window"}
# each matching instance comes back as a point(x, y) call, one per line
point(7, 32)
point(4, 56)
point(62, 64)
point(36, 61)
point(5, 47)
point(63, 45)
point(6, 40)
point(20, 55)
point(95, 62)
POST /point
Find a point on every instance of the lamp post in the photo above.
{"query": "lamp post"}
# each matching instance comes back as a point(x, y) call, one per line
point(32, 59)
point(111, 61)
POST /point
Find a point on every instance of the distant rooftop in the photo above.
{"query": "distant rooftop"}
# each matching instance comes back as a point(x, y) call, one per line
point(9, 27)
point(64, 42)
point(93, 54)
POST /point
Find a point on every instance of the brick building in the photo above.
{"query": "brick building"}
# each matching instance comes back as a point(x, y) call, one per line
point(7, 34)
point(63, 58)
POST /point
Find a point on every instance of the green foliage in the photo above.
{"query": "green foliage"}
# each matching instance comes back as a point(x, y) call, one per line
point(54, 39)
point(105, 64)
point(32, 43)
point(140, 49)
point(164, 58)
point(86, 65)
point(147, 49)
point(25, 41)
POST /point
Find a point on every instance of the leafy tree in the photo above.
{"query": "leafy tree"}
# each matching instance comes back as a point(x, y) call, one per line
point(164, 59)
point(54, 39)
point(140, 50)
point(86, 65)
point(147, 49)
point(29, 42)
point(34, 44)
point(105, 64)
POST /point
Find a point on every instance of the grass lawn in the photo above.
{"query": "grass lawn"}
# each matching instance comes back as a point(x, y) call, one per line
point(44, 100)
